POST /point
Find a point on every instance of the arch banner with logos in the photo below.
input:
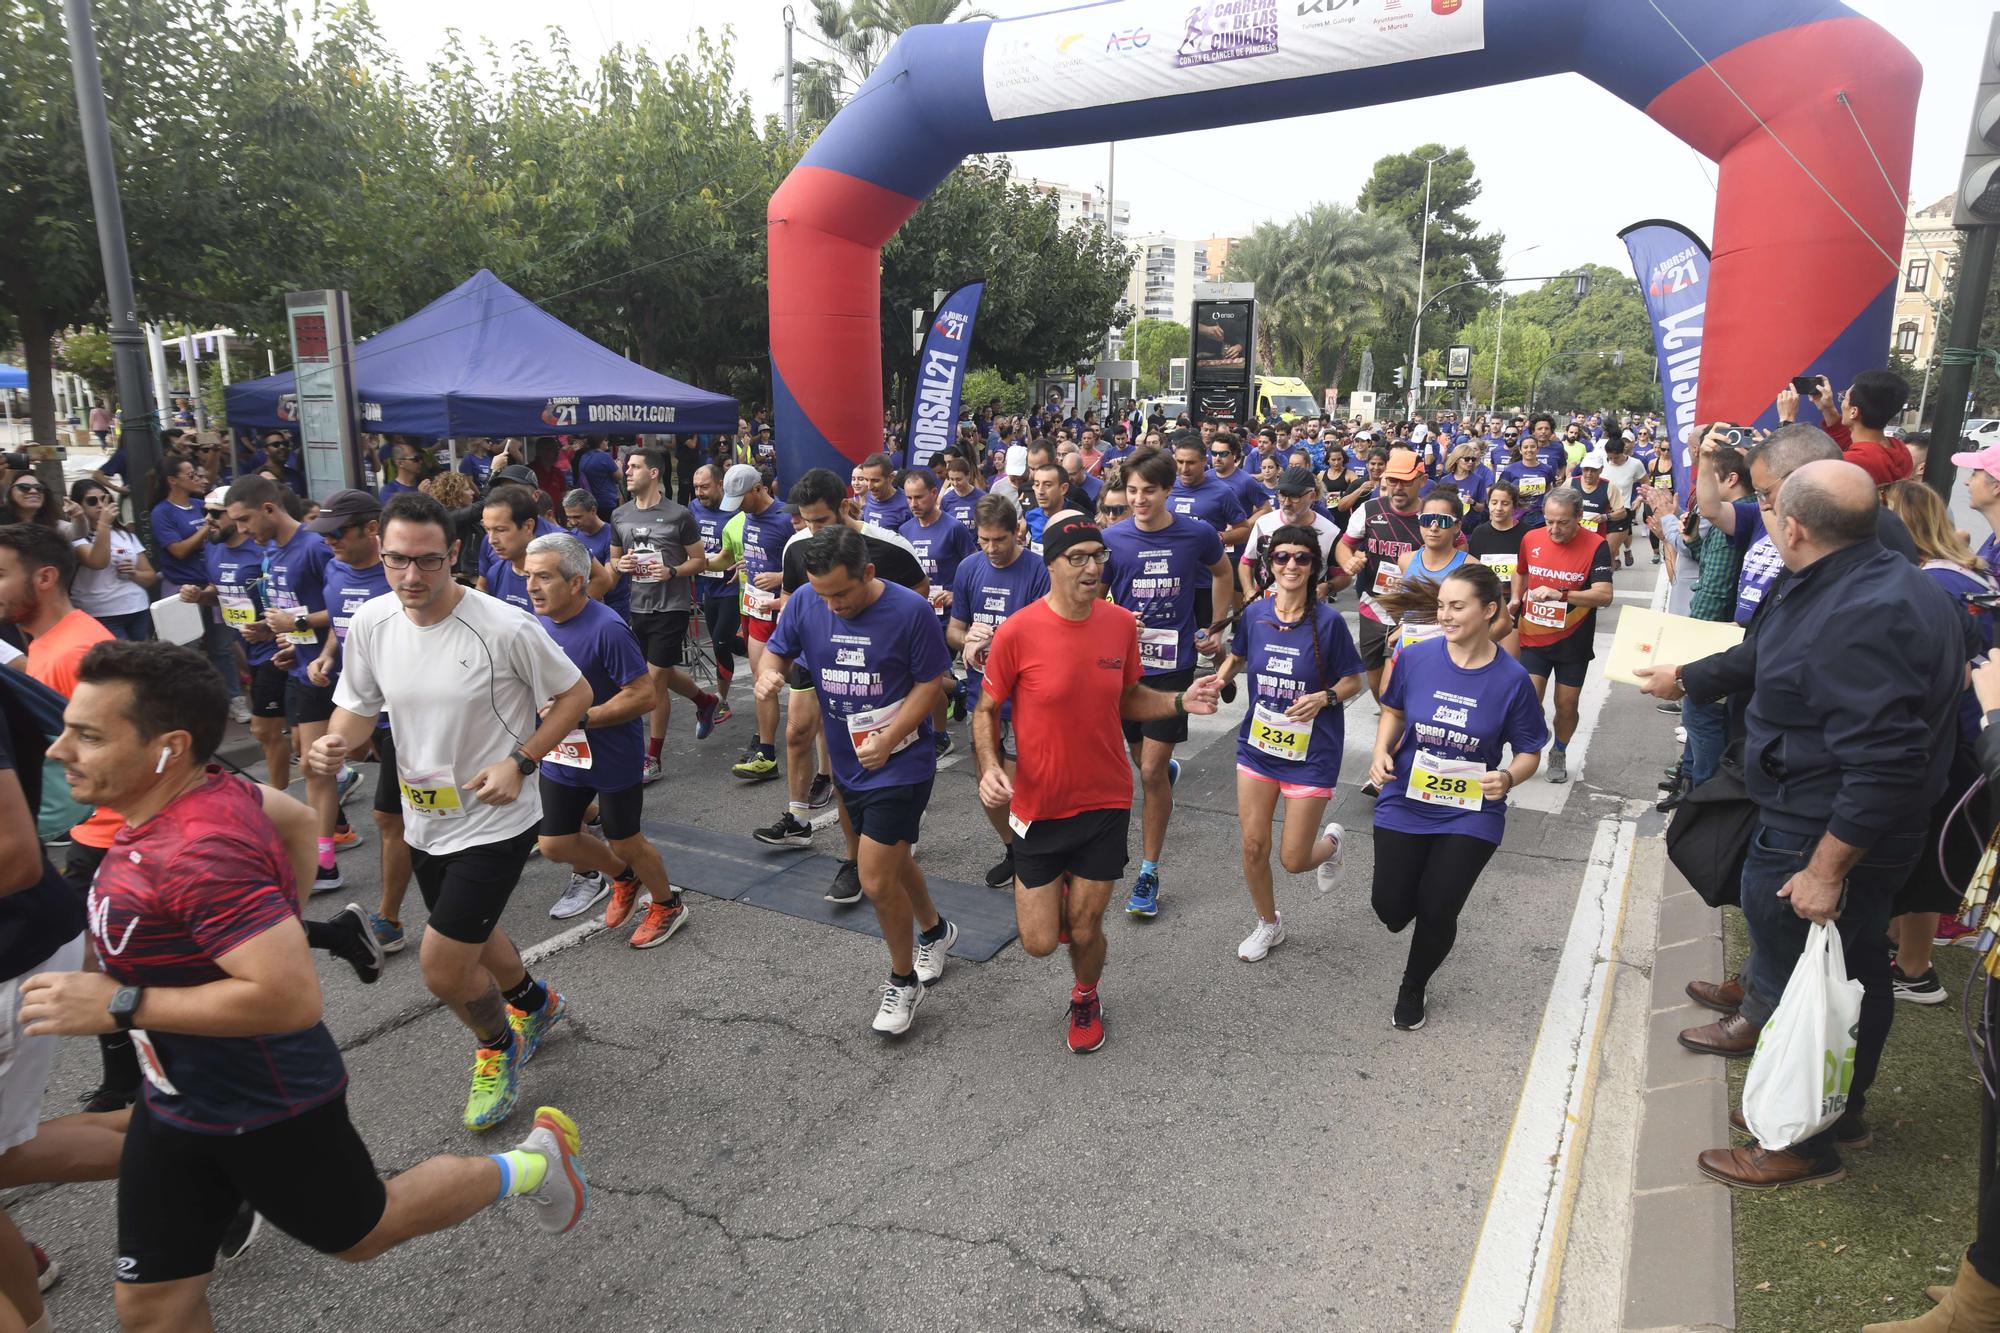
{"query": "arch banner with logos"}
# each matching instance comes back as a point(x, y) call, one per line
point(1806, 229)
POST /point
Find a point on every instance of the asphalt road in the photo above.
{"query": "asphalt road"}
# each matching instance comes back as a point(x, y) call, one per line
point(1255, 1147)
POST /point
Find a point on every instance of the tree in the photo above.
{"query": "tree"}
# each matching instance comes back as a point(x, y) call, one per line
point(1052, 291)
point(860, 32)
point(1153, 343)
point(1457, 251)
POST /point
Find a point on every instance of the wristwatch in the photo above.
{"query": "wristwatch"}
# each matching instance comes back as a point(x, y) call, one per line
point(522, 762)
point(124, 1004)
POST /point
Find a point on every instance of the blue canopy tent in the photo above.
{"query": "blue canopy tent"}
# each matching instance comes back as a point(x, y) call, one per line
point(484, 360)
point(13, 377)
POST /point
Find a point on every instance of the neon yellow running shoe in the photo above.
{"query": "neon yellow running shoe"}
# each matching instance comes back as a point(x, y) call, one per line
point(496, 1084)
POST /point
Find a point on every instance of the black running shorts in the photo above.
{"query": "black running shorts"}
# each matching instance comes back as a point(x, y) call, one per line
point(888, 815)
point(1090, 845)
point(310, 1176)
point(467, 891)
point(563, 807)
point(1172, 730)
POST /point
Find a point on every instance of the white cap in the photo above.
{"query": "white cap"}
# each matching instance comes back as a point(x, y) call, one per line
point(1595, 458)
point(1629, 437)
point(739, 481)
point(217, 498)
point(1017, 459)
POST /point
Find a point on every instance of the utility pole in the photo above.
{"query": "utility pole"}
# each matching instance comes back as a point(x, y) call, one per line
point(1977, 214)
point(1423, 256)
point(1111, 190)
point(128, 342)
point(791, 126)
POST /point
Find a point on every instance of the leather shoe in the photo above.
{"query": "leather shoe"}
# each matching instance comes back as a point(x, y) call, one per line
point(1724, 998)
point(1759, 1168)
point(1732, 1036)
point(1850, 1131)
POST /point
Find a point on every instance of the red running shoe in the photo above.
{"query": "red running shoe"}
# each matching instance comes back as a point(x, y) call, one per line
point(1950, 930)
point(1086, 1022)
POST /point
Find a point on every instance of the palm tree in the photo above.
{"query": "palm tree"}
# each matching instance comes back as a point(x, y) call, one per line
point(860, 32)
point(1324, 280)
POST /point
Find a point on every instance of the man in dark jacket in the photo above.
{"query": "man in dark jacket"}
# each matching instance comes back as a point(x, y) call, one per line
point(1853, 674)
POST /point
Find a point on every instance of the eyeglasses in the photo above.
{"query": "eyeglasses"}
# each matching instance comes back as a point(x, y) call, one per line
point(430, 564)
point(1436, 521)
point(1279, 559)
point(1078, 559)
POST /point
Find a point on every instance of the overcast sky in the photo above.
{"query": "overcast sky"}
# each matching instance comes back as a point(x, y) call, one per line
point(1564, 168)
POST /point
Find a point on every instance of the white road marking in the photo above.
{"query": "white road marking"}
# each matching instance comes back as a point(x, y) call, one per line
point(1512, 1279)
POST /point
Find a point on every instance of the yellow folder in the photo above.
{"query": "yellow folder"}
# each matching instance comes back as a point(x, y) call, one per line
point(1652, 638)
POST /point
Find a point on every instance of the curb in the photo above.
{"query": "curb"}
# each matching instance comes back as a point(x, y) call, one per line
point(1680, 1268)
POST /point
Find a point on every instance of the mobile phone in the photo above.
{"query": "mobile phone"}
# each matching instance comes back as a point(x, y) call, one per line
point(1734, 436)
point(1805, 385)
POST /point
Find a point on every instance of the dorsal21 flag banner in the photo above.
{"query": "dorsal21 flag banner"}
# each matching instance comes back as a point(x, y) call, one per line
point(941, 374)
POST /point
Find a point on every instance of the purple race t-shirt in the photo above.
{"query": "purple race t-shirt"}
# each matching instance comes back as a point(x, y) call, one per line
point(510, 586)
point(960, 507)
point(1155, 576)
point(606, 651)
point(1456, 716)
point(297, 582)
point(1280, 666)
point(1761, 566)
point(1532, 483)
point(1215, 502)
point(863, 667)
point(984, 595)
point(892, 513)
point(940, 548)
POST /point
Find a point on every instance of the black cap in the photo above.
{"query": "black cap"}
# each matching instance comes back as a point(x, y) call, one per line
point(344, 508)
point(518, 473)
point(1296, 481)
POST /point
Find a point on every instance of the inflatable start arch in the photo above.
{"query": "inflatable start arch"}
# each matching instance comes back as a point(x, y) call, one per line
point(1803, 217)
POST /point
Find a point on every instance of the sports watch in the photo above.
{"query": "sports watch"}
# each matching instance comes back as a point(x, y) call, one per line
point(522, 762)
point(124, 1005)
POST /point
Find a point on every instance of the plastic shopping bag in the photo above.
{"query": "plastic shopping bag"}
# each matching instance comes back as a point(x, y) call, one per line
point(1804, 1063)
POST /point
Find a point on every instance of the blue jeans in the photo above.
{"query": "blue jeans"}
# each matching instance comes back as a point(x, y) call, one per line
point(1778, 938)
point(218, 644)
point(1707, 733)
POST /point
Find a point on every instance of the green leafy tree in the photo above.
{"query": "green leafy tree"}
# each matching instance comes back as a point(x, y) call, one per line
point(1457, 251)
point(1153, 343)
point(1326, 281)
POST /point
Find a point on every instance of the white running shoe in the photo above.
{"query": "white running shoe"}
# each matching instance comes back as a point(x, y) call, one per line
point(1268, 936)
point(899, 1008)
point(239, 709)
point(584, 893)
point(560, 1198)
point(930, 957)
point(1328, 873)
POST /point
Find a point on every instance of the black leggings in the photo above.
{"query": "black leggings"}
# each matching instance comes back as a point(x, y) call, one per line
point(722, 616)
point(1426, 878)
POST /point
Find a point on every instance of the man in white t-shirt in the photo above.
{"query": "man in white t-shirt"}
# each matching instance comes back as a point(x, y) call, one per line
point(1297, 490)
point(464, 674)
point(1622, 473)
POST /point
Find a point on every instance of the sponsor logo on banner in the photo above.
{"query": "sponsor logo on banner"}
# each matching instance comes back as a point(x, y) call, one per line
point(1676, 274)
point(617, 414)
point(559, 412)
point(1228, 30)
point(1042, 64)
point(951, 324)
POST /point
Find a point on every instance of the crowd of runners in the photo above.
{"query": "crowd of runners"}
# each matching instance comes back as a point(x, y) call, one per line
point(504, 651)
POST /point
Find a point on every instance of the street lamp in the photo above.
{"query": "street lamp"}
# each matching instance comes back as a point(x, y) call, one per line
point(1500, 327)
point(1423, 255)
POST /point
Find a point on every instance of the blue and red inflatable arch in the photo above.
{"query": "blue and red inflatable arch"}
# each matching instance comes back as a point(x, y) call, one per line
point(1799, 275)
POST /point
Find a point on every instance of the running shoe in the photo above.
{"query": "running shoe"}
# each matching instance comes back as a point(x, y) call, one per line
point(1328, 873)
point(651, 773)
point(1656, 557)
point(660, 923)
point(1145, 899)
point(1952, 931)
point(704, 718)
point(941, 742)
point(1086, 1023)
point(1558, 769)
point(239, 1234)
point(529, 1029)
point(47, 1271)
point(358, 947)
point(1671, 707)
point(559, 1200)
point(239, 709)
point(820, 795)
point(1628, 560)
point(846, 886)
point(350, 778)
point(1173, 771)
point(898, 1008)
point(1001, 876)
point(496, 1085)
point(1409, 1014)
point(955, 710)
point(327, 879)
point(1924, 989)
point(595, 828)
point(785, 831)
point(624, 893)
point(387, 933)
point(105, 1098)
point(930, 957)
point(1268, 936)
point(346, 839)
point(722, 711)
point(585, 891)
point(756, 766)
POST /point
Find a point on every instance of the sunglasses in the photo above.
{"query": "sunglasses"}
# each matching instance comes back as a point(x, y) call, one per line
point(28, 486)
point(1114, 511)
point(1436, 521)
point(95, 500)
point(1279, 559)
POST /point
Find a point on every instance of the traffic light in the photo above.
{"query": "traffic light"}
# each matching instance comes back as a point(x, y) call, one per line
point(1399, 377)
point(1979, 180)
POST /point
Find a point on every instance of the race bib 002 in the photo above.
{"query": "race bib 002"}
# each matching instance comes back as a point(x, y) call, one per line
point(1545, 615)
point(1437, 780)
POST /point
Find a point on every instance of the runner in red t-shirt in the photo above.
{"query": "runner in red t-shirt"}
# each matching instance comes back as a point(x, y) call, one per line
point(1564, 575)
point(1069, 663)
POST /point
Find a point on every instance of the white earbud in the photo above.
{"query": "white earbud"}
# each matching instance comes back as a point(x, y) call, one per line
point(166, 753)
